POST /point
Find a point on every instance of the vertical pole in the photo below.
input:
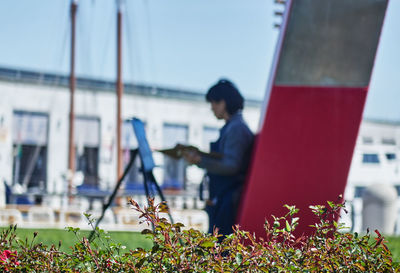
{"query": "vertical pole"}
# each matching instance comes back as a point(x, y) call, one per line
point(119, 89)
point(72, 80)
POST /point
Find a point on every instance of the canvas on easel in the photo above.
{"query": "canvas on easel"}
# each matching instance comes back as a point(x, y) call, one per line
point(146, 158)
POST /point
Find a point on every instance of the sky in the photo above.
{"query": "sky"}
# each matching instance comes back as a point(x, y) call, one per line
point(183, 44)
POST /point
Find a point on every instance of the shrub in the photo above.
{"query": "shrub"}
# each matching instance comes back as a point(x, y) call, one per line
point(176, 249)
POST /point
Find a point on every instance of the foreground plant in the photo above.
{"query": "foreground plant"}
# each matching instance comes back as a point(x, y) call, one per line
point(176, 249)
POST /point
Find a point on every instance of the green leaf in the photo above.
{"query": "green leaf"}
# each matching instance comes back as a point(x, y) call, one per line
point(288, 227)
point(207, 244)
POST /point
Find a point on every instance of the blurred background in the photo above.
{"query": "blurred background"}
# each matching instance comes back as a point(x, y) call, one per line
point(170, 53)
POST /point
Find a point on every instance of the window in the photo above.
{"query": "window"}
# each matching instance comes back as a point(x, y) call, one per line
point(390, 156)
point(397, 189)
point(388, 141)
point(359, 191)
point(30, 132)
point(87, 141)
point(367, 140)
point(174, 170)
point(370, 158)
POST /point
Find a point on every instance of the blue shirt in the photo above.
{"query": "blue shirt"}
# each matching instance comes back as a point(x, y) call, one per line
point(234, 143)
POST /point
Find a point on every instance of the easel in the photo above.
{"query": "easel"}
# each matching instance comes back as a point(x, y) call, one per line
point(147, 166)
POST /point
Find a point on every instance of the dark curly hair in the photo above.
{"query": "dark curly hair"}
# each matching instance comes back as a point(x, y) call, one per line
point(227, 91)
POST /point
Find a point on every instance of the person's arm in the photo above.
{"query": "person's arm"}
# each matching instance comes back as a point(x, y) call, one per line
point(236, 143)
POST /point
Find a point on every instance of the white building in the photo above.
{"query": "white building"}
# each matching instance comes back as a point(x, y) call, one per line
point(34, 120)
point(376, 157)
point(376, 162)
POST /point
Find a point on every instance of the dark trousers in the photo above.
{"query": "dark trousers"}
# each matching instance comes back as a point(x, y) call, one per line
point(222, 214)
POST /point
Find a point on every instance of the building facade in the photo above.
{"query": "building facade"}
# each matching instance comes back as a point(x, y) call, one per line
point(34, 121)
point(34, 124)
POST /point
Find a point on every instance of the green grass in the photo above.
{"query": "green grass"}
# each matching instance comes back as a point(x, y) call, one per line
point(394, 246)
point(131, 240)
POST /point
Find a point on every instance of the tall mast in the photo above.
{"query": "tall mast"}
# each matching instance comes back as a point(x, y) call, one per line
point(72, 80)
point(119, 87)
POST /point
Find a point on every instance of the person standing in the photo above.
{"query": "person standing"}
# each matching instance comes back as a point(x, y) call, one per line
point(227, 174)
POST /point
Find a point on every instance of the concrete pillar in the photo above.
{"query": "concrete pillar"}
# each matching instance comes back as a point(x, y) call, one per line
point(379, 208)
